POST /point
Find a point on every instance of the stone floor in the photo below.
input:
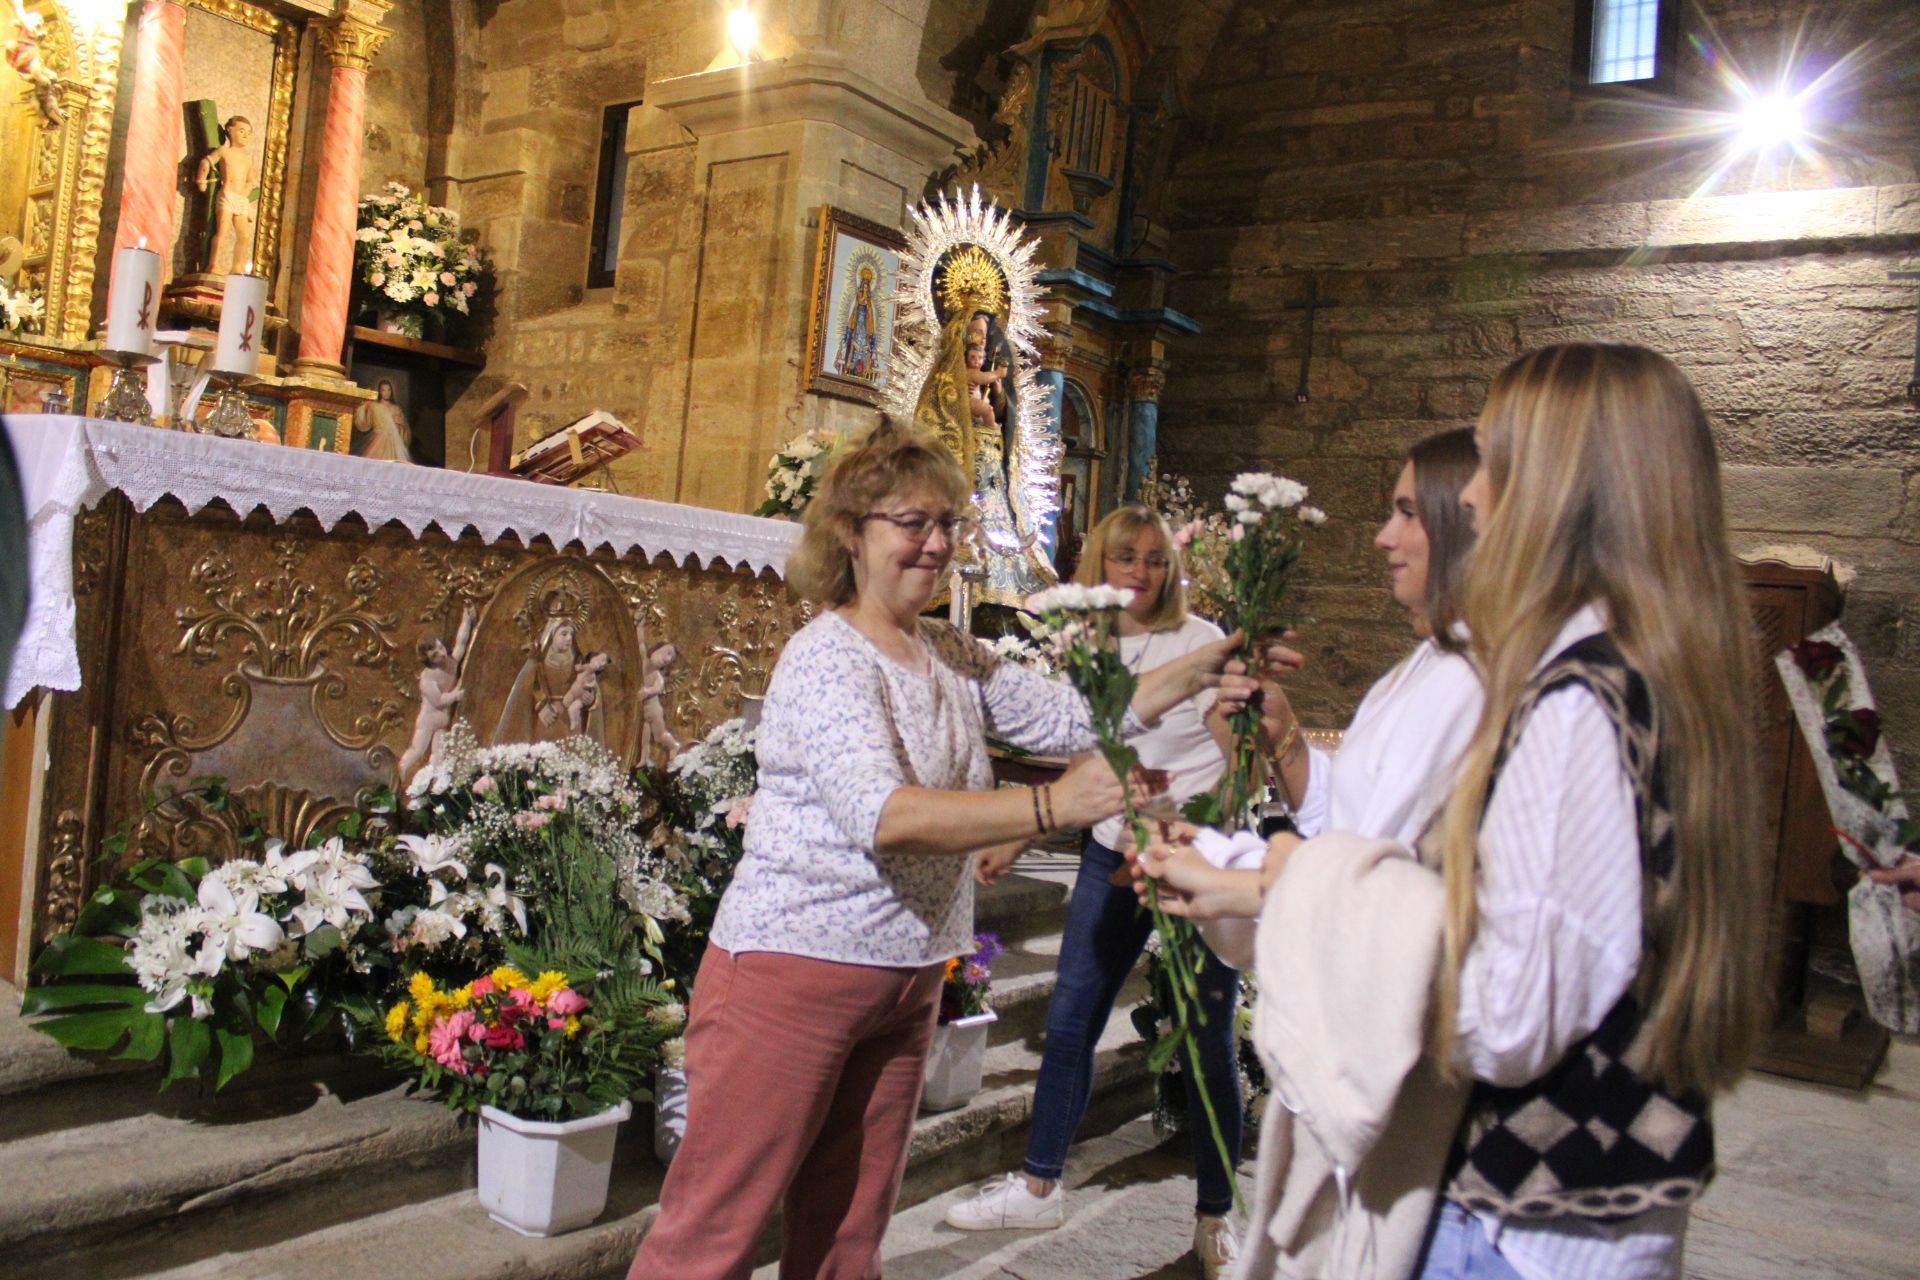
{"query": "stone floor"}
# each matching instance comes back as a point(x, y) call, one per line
point(1815, 1184)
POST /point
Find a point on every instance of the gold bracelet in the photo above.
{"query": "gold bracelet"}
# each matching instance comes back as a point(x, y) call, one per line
point(1287, 743)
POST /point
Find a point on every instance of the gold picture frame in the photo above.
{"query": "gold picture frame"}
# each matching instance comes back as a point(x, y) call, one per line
point(856, 273)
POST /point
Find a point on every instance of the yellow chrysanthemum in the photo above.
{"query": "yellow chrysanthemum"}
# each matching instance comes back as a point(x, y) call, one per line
point(420, 1043)
point(421, 988)
point(428, 1011)
point(460, 999)
point(397, 1021)
point(507, 977)
point(545, 985)
point(572, 1027)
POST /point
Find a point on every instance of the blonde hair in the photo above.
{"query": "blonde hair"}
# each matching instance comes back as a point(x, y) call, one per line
point(887, 463)
point(1606, 489)
point(1118, 529)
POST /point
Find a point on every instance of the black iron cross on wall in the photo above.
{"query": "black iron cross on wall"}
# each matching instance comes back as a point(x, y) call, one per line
point(1913, 384)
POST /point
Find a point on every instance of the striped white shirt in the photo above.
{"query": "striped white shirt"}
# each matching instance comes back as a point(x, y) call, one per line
point(1558, 944)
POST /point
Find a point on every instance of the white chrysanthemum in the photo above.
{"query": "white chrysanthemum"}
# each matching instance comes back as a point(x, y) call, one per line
point(161, 956)
point(673, 1053)
point(1250, 517)
point(1237, 504)
point(1312, 515)
point(1071, 597)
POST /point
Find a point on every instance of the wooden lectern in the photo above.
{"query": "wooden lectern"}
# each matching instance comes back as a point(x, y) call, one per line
point(496, 418)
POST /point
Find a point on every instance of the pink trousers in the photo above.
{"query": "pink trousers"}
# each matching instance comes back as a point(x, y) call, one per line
point(803, 1079)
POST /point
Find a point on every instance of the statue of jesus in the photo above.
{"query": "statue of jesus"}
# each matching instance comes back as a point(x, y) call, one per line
point(227, 173)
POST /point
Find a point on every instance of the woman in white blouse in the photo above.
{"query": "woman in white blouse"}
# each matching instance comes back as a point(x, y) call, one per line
point(815, 1001)
point(1602, 916)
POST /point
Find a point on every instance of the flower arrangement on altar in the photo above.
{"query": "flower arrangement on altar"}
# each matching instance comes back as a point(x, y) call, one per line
point(409, 261)
point(201, 957)
point(22, 309)
point(966, 989)
point(705, 797)
point(795, 473)
point(533, 1047)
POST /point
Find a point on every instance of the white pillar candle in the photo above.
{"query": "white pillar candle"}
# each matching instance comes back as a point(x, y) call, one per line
point(243, 324)
point(133, 307)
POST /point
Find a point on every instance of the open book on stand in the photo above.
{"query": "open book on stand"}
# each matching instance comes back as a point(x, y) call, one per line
point(576, 450)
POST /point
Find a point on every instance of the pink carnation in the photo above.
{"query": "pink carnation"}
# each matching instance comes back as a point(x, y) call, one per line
point(531, 821)
point(431, 299)
point(737, 812)
point(393, 259)
point(1186, 533)
point(550, 802)
point(446, 277)
point(377, 279)
point(483, 986)
point(446, 1040)
point(383, 223)
point(483, 784)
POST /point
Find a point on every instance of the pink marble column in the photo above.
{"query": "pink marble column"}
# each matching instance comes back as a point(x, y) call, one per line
point(153, 129)
point(350, 44)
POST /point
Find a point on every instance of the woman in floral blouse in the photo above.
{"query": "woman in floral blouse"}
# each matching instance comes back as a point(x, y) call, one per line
point(815, 1003)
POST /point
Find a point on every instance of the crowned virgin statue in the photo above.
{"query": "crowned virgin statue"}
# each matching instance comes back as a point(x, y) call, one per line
point(969, 402)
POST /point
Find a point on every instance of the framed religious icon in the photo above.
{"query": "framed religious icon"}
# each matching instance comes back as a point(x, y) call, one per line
point(850, 327)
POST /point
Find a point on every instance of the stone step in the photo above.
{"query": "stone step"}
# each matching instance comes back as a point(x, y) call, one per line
point(1023, 981)
point(1020, 905)
point(448, 1237)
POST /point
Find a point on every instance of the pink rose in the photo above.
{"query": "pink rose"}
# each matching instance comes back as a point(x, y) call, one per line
point(393, 259)
point(566, 1002)
point(483, 784)
point(737, 812)
point(383, 223)
point(550, 802)
point(467, 288)
point(531, 821)
point(1186, 533)
point(483, 986)
point(446, 1041)
point(446, 277)
point(377, 279)
point(431, 299)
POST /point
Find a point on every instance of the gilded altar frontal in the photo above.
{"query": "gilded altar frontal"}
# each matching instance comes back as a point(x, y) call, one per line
point(416, 585)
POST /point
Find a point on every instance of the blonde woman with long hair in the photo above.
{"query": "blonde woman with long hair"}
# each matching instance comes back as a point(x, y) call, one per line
point(1601, 914)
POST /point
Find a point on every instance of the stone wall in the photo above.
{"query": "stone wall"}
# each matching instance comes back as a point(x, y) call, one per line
point(1427, 167)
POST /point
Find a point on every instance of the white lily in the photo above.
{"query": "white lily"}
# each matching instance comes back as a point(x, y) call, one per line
point(503, 899)
point(234, 928)
point(435, 853)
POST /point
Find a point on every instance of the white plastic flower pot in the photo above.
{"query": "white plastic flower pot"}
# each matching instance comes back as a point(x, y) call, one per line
point(956, 1062)
point(544, 1177)
point(669, 1111)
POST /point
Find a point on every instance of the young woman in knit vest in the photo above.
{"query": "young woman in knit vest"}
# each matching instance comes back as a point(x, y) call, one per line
point(1601, 934)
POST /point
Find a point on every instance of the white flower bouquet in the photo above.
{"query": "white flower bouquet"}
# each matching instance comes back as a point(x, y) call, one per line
point(208, 959)
point(22, 309)
point(410, 261)
point(795, 472)
point(705, 798)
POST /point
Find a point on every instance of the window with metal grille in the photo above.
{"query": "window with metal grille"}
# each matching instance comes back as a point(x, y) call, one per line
point(1625, 42)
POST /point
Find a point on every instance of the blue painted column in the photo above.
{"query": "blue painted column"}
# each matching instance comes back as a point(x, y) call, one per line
point(1143, 425)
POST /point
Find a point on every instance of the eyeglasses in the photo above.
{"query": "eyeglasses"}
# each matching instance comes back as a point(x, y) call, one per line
point(1126, 560)
point(919, 526)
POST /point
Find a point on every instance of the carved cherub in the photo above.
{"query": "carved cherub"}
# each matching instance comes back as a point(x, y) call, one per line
point(23, 55)
point(653, 704)
point(584, 692)
point(440, 689)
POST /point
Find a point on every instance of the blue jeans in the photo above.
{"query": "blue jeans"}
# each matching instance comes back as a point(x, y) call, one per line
point(1457, 1249)
point(1106, 930)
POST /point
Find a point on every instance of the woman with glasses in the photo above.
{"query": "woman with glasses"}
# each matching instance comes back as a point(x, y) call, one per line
point(1105, 930)
point(815, 1002)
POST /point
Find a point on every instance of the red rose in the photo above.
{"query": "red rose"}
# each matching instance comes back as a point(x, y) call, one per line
point(503, 1038)
point(1858, 732)
point(1817, 658)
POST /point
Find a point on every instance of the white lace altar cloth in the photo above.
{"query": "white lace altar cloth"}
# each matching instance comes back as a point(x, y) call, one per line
point(68, 464)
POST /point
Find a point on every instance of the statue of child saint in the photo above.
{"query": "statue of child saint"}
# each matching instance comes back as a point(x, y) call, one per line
point(440, 689)
point(653, 687)
point(227, 172)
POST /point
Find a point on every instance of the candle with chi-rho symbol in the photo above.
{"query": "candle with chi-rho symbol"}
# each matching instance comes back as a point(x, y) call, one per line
point(243, 323)
point(133, 306)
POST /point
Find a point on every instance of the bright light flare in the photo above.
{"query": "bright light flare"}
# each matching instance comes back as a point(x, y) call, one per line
point(1770, 121)
point(743, 31)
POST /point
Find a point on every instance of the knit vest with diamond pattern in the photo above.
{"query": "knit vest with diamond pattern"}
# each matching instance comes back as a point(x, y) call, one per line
point(1593, 1137)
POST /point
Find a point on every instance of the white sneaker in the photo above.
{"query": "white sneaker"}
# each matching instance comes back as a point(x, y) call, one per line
point(1005, 1204)
point(1216, 1245)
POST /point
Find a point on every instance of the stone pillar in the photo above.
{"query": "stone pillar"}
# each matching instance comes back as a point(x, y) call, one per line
point(351, 42)
point(1144, 386)
point(148, 174)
